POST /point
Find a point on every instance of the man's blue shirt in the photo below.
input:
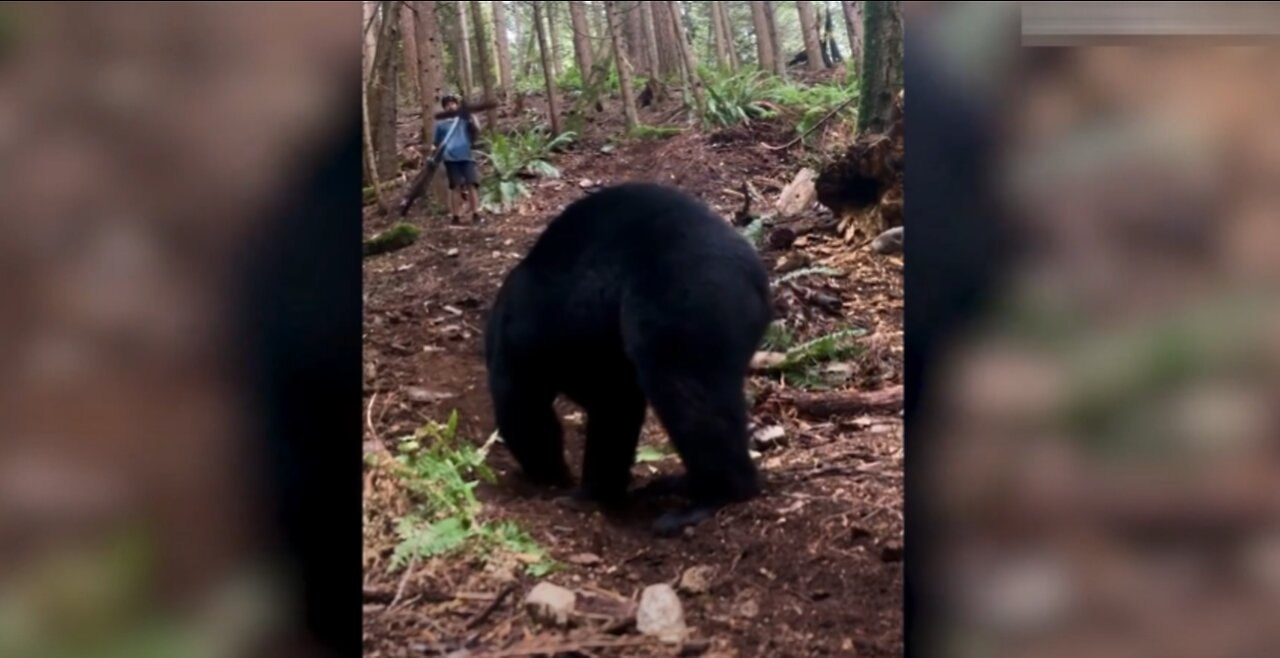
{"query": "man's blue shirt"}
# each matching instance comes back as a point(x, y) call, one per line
point(458, 148)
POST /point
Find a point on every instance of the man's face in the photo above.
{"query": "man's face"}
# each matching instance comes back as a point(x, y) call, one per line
point(450, 106)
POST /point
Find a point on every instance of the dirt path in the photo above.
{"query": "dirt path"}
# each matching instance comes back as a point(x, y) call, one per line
point(811, 568)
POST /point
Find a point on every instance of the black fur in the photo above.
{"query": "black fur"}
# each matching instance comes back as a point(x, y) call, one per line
point(636, 294)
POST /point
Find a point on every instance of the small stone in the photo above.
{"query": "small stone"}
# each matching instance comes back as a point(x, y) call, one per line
point(889, 242)
point(767, 437)
point(585, 183)
point(660, 614)
point(452, 253)
point(419, 394)
point(607, 148)
point(748, 609)
point(550, 604)
point(697, 580)
point(584, 559)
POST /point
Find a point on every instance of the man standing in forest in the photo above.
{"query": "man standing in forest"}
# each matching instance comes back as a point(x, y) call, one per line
point(454, 137)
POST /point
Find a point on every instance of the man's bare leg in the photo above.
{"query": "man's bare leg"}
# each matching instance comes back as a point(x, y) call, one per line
point(453, 205)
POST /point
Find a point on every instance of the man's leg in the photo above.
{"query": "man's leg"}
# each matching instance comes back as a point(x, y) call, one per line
point(473, 185)
point(451, 171)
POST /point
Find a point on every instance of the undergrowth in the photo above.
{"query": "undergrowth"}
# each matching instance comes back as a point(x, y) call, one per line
point(752, 95)
point(802, 363)
point(514, 157)
point(441, 474)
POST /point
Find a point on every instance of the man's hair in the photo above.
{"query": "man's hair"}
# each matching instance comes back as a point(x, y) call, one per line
point(448, 99)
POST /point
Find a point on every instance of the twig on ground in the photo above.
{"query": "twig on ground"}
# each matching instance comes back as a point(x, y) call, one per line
point(493, 605)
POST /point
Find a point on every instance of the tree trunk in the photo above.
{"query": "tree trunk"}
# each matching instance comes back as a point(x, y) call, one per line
point(809, 30)
point(726, 28)
point(503, 49)
point(721, 40)
point(430, 82)
point(650, 38)
point(853, 24)
point(486, 71)
point(668, 50)
point(620, 60)
point(370, 159)
point(882, 65)
point(461, 49)
point(831, 55)
point(548, 73)
point(779, 53)
point(581, 38)
point(686, 55)
point(764, 45)
point(633, 36)
point(382, 94)
point(409, 35)
point(371, 26)
point(553, 25)
point(530, 41)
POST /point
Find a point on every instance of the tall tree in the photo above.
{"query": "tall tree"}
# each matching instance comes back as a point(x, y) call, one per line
point(831, 55)
point(548, 72)
point(462, 49)
point(765, 55)
point(720, 14)
point(382, 93)
point(720, 38)
point(553, 26)
point(410, 49)
point(779, 52)
point(882, 64)
point(380, 97)
point(503, 48)
point(581, 38)
point(809, 30)
point(686, 56)
point(664, 29)
point(486, 71)
point(633, 35)
point(650, 38)
point(620, 60)
point(853, 24)
point(430, 79)
point(371, 14)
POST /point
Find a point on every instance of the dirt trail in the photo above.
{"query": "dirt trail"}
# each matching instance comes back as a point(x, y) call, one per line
point(811, 568)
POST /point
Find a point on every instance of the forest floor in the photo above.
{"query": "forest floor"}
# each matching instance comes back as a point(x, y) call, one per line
point(813, 567)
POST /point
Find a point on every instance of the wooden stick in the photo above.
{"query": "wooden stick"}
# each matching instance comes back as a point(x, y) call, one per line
point(493, 605)
point(811, 128)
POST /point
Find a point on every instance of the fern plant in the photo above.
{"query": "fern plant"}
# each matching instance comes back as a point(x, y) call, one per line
point(443, 473)
point(513, 157)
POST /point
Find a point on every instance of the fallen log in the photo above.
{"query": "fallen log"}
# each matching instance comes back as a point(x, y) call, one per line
point(848, 403)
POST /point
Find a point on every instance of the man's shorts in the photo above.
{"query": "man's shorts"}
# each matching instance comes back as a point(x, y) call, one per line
point(461, 173)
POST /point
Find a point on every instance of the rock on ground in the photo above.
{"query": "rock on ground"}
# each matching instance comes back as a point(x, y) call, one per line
point(660, 614)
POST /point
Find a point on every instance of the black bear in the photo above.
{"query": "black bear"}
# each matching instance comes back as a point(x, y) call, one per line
point(636, 295)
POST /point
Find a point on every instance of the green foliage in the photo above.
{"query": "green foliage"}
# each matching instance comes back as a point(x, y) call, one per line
point(778, 338)
point(397, 237)
point(753, 95)
point(643, 131)
point(737, 98)
point(515, 156)
point(831, 347)
point(441, 473)
point(650, 453)
point(754, 232)
point(801, 363)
